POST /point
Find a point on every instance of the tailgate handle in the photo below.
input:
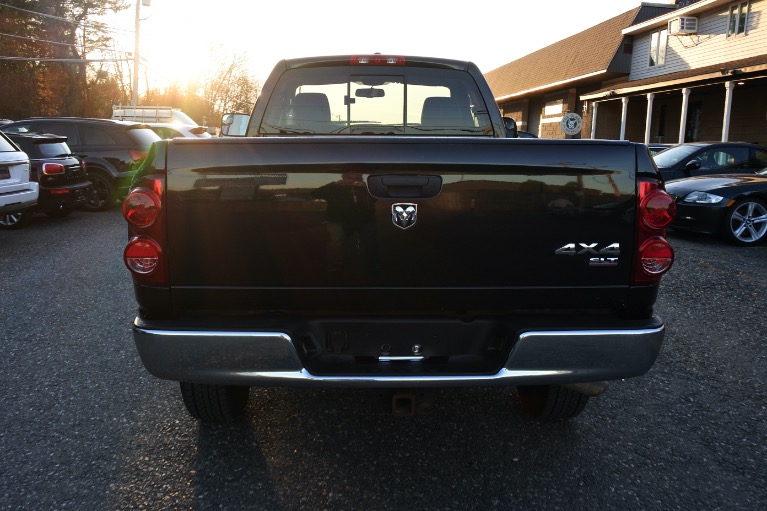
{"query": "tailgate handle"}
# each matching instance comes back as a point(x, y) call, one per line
point(398, 186)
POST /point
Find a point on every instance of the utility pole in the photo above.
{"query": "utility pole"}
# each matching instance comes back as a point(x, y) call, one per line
point(134, 93)
point(134, 89)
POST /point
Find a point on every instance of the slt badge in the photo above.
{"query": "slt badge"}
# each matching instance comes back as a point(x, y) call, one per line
point(404, 215)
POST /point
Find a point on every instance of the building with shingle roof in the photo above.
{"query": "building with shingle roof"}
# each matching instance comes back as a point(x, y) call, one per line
point(697, 73)
point(640, 77)
point(532, 89)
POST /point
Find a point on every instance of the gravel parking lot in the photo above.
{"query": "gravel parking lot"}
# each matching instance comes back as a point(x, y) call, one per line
point(85, 427)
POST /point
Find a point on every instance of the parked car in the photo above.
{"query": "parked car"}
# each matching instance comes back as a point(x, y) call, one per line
point(64, 183)
point(166, 130)
point(526, 134)
point(706, 158)
point(17, 192)
point(734, 205)
point(112, 150)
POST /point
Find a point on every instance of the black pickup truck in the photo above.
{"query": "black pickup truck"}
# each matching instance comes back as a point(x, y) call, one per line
point(377, 228)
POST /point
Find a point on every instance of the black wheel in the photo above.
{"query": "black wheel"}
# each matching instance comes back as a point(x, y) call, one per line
point(104, 198)
point(214, 403)
point(746, 222)
point(551, 402)
point(15, 220)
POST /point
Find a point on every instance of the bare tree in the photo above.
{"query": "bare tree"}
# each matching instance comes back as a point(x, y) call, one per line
point(230, 88)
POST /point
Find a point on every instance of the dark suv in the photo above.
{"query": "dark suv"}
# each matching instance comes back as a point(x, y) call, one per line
point(64, 184)
point(112, 150)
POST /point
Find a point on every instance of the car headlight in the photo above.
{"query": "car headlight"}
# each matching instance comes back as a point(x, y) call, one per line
point(702, 198)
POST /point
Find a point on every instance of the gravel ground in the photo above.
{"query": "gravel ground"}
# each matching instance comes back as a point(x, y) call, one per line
point(85, 427)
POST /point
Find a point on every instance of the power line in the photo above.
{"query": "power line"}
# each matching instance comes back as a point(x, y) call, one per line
point(41, 14)
point(66, 61)
point(91, 24)
point(37, 40)
point(94, 26)
point(71, 45)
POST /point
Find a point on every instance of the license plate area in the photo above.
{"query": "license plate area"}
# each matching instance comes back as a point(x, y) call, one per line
point(428, 347)
point(81, 195)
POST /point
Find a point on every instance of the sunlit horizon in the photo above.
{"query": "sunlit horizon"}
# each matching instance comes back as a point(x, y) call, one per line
point(183, 40)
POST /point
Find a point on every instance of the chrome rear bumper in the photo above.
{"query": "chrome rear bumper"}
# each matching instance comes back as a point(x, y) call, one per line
point(271, 359)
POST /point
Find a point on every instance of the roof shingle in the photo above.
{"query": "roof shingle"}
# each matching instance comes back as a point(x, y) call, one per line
point(587, 52)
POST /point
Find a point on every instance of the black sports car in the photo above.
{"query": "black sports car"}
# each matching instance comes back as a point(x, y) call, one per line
point(734, 205)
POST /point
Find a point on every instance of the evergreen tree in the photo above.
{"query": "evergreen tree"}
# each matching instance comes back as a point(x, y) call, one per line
point(57, 35)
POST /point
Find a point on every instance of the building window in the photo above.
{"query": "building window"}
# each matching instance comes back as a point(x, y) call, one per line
point(553, 107)
point(738, 19)
point(658, 43)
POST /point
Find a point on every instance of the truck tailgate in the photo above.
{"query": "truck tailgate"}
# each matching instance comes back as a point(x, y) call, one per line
point(467, 224)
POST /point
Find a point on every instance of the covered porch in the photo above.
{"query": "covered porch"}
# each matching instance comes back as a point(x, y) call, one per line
point(725, 102)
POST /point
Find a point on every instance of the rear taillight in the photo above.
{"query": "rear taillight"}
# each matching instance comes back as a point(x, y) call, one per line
point(657, 209)
point(144, 255)
point(137, 155)
point(654, 254)
point(141, 207)
point(53, 169)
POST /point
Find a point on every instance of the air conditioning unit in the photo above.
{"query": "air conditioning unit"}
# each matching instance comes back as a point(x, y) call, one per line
point(683, 25)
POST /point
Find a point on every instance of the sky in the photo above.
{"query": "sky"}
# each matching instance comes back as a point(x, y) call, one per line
point(181, 38)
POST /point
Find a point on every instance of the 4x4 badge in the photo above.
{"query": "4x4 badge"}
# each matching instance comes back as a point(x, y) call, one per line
point(404, 215)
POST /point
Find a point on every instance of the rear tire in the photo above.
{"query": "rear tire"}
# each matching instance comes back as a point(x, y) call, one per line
point(551, 402)
point(214, 403)
point(104, 198)
point(15, 220)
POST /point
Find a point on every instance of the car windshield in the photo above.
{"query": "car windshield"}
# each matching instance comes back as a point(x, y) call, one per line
point(43, 149)
point(54, 149)
point(674, 155)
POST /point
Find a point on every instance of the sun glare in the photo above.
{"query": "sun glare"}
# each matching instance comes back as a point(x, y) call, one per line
point(164, 67)
point(181, 41)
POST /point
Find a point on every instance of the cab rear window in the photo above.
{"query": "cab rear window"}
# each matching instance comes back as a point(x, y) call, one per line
point(376, 101)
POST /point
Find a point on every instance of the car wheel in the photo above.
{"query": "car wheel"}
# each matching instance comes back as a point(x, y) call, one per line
point(746, 222)
point(15, 220)
point(214, 403)
point(550, 402)
point(104, 198)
